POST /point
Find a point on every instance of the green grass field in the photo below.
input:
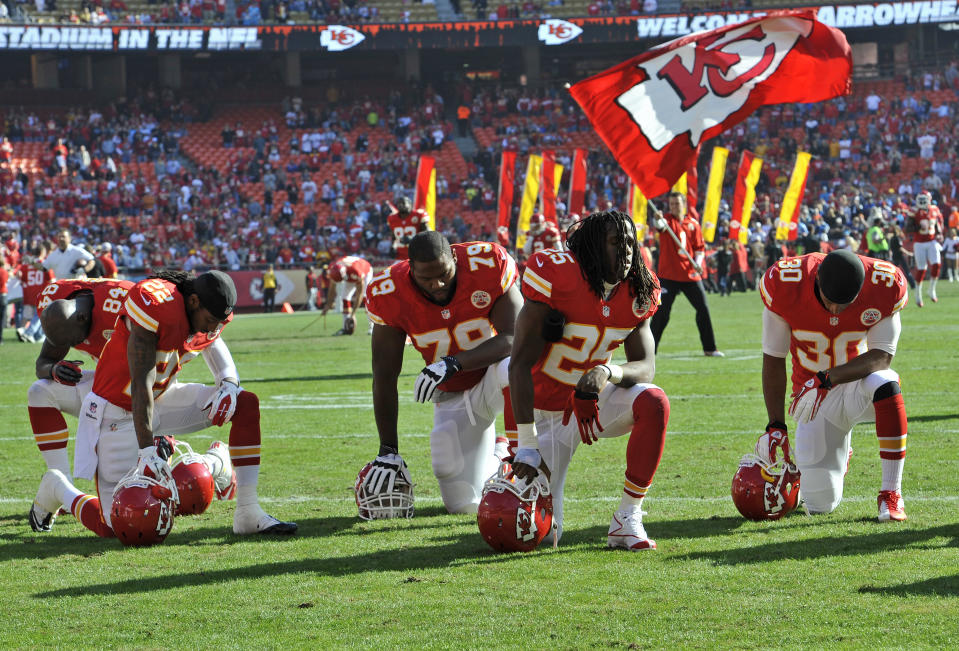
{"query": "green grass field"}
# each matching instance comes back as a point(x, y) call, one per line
point(715, 581)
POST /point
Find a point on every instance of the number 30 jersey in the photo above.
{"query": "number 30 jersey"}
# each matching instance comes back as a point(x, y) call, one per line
point(819, 339)
point(157, 306)
point(484, 273)
point(594, 327)
point(108, 297)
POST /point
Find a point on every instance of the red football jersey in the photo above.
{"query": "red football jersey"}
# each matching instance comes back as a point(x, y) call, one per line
point(673, 265)
point(350, 268)
point(32, 280)
point(928, 224)
point(820, 339)
point(108, 297)
point(594, 327)
point(406, 227)
point(548, 239)
point(156, 305)
point(484, 272)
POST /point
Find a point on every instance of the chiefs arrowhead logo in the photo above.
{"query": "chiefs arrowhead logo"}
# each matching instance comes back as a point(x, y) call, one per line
point(556, 32)
point(713, 79)
point(337, 38)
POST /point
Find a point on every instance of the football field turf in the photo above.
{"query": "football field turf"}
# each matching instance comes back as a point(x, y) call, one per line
point(432, 582)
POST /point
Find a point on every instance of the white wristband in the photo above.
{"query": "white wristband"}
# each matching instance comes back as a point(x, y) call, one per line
point(526, 435)
point(615, 372)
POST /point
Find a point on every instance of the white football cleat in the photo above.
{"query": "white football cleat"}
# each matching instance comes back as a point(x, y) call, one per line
point(932, 296)
point(714, 353)
point(891, 506)
point(253, 519)
point(46, 504)
point(224, 476)
point(626, 532)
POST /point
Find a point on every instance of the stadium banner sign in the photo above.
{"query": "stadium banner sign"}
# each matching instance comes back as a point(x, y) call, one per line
point(337, 39)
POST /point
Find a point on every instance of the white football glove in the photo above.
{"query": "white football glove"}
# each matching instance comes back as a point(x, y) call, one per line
point(811, 395)
point(774, 438)
point(529, 456)
point(434, 375)
point(222, 404)
point(659, 223)
point(382, 476)
point(151, 464)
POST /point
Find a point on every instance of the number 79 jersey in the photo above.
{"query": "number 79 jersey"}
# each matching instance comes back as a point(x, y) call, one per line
point(108, 297)
point(484, 273)
point(594, 327)
point(819, 339)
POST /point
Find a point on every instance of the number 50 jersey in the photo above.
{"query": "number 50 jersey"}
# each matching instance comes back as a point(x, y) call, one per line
point(484, 273)
point(819, 339)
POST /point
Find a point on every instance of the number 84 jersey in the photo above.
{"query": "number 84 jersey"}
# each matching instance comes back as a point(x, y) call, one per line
point(819, 339)
point(108, 297)
point(484, 273)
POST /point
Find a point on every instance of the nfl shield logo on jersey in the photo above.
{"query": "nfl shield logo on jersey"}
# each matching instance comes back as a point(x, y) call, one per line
point(606, 311)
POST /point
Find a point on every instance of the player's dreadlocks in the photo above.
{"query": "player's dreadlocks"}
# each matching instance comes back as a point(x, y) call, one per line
point(182, 279)
point(586, 239)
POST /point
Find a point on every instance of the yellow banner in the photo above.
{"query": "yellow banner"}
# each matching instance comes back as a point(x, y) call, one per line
point(637, 210)
point(797, 183)
point(530, 196)
point(714, 192)
point(431, 201)
point(755, 168)
point(680, 185)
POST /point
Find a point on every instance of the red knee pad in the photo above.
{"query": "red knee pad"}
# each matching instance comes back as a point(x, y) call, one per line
point(650, 406)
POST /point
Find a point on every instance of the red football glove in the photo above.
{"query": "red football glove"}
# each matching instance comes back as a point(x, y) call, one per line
point(807, 402)
point(774, 437)
point(586, 407)
point(67, 372)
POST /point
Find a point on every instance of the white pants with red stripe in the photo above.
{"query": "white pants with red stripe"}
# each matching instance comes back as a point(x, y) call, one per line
point(177, 411)
point(557, 442)
point(463, 438)
point(821, 446)
point(67, 399)
point(926, 253)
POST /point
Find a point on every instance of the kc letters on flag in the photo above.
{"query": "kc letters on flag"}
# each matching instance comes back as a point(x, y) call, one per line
point(653, 110)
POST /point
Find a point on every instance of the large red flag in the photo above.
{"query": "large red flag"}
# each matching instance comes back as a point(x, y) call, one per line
point(577, 183)
point(653, 110)
point(504, 210)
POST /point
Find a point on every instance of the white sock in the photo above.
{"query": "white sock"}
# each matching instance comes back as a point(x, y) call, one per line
point(57, 460)
point(919, 291)
point(892, 474)
point(67, 495)
point(630, 503)
point(246, 478)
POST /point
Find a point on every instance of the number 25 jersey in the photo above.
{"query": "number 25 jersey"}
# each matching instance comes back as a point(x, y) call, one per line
point(819, 339)
point(594, 327)
point(484, 273)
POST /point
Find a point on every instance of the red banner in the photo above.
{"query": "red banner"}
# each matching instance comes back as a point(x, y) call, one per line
point(547, 186)
point(577, 184)
point(425, 198)
point(744, 196)
point(653, 110)
point(504, 212)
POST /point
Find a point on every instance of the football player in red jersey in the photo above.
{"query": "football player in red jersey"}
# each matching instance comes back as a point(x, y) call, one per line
point(837, 315)
point(678, 273)
point(33, 278)
point(581, 305)
point(404, 223)
point(349, 276)
point(542, 234)
point(925, 225)
point(81, 314)
point(165, 321)
point(458, 305)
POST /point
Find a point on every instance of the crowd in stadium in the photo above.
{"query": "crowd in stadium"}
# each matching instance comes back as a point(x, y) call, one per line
point(319, 178)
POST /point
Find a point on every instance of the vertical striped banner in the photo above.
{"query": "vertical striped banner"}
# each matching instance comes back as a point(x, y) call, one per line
point(530, 194)
point(744, 197)
point(792, 200)
point(504, 211)
point(425, 198)
point(637, 210)
point(547, 188)
point(714, 192)
point(577, 184)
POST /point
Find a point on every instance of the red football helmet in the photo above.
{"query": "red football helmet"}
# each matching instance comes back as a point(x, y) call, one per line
point(537, 223)
point(397, 503)
point(143, 509)
point(512, 518)
point(194, 482)
point(765, 492)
